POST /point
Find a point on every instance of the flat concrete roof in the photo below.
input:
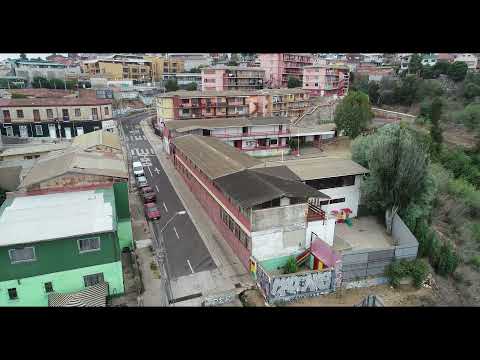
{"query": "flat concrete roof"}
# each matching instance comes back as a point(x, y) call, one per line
point(321, 167)
point(31, 149)
point(365, 233)
point(30, 219)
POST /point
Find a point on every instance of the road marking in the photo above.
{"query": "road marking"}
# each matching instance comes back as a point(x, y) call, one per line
point(156, 187)
point(153, 152)
point(190, 265)
point(150, 171)
point(156, 170)
point(176, 233)
point(133, 152)
point(165, 206)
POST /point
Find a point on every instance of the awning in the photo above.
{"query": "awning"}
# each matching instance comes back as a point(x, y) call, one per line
point(91, 296)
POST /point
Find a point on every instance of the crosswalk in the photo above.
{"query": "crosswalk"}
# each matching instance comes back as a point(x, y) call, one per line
point(132, 138)
point(142, 152)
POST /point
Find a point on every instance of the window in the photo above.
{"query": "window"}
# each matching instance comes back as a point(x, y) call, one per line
point(94, 279)
point(89, 244)
point(106, 110)
point(336, 201)
point(22, 254)
point(39, 130)
point(9, 130)
point(20, 113)
point(273, 142)
point(6, 115)
point(50, 113)
point(65, 114)
point(324, 202)
point(48, 287)
point(77, 113)
point(12, 294)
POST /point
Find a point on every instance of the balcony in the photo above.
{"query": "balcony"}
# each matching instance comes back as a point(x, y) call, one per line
point(265, 147)
point(251, 134)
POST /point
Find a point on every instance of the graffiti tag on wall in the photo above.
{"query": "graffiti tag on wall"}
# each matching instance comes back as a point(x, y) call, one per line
point(219, 299)
point(263, 281)
point(294, 285)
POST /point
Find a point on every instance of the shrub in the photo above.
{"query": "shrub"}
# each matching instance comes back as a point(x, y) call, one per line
point(398, 270)
point(419, 272)
point(476, 232)
point(291, 266)
point(475, 262)
point(447, 260)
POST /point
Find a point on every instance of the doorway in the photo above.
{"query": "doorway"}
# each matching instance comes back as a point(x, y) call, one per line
point(68, 133)
point(23, 131)
point(79, 130)
point(51, 131)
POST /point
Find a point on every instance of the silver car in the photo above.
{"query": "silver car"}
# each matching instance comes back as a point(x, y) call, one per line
point(142, 181)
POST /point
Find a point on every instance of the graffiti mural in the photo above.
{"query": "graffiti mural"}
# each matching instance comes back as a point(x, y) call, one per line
point(263, 281)
point(294, 285)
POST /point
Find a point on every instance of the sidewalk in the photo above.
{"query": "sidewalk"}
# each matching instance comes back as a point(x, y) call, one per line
point(230, 274)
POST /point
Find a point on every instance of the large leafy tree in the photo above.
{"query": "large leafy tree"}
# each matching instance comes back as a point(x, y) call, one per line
point(374, 92)
point(457, 71)
point(398, 167)
point(293, 82)
point(436, 130)
point(415, 65)
point(171, 85)
point(353, 114)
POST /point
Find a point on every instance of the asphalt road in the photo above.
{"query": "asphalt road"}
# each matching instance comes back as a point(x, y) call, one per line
point(185, 249)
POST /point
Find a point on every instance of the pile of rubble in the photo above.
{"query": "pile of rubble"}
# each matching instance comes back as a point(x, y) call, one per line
point(429, 282)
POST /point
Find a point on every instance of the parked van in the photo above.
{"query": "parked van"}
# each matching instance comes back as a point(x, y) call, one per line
point(138, 168)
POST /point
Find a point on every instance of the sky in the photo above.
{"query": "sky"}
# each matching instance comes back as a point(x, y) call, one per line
point(4, 56)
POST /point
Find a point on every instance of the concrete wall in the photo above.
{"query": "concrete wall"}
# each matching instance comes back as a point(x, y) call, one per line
point(278, 231)
point(406, 243)
point(325, 230)
point(350, 193)
point(72, 179)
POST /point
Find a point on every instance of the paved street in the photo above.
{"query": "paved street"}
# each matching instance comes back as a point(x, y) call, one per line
point(186, 251)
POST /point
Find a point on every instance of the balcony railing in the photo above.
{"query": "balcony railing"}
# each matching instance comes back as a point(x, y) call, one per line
point(315, 213)
point(253, 133)
point(265, 147)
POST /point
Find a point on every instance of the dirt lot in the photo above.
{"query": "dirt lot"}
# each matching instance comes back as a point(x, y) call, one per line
point(459, 135)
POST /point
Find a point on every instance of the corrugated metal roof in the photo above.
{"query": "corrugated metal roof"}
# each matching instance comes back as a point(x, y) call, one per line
point(99, 137)
point(263, 187)
point(32, 149)
point(75, 161)
point(186, 125)
point(213, 156)
point(30, 219)
point(319, 168)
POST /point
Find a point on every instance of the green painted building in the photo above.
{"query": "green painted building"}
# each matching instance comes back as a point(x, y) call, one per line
point(61, 242)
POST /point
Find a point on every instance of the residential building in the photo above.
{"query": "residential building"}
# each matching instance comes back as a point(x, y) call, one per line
point(28, 152)
point(445, 57)
point(190, 60)
point(53, 117)
point(60, 59)
point(404, 59)
point(184, 105)
point(162, 66)
point(279, 67)
point(374, 72)
point(373, 58)
point(429, 59)
point(326, 80)
point(220, 78)
point(60, 243)
point(257, 136)
point(184, 79)
point(469, 59)
point(269, 219)
point(28, 69)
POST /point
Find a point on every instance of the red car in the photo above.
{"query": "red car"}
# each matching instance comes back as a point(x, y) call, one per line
point(151, 211)
point(148, 195)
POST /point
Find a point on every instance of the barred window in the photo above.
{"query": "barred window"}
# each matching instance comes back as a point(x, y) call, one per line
point(93, 279)
point(89, 244)
point(22, 254)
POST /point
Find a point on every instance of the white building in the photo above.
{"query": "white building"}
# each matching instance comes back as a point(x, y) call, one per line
point(28, 69)
point(469, 59)
point(191, 60)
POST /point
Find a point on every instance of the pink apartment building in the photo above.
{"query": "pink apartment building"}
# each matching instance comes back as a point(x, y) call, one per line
point(221, 78)
point(326, 80)
point(279, 67)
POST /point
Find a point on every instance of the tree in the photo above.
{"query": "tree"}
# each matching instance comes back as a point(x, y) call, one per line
point(171, 85)
point(233, 60)
point(457, 71)
point(440, 67)
point(415, 64)
point(353, 114)
point(360, 83)
point(436, 130)
point(374, 92)
point(407, 92)
point(191, 86)
point(195, 70)
point(471, 91)
point(23, 56)
point(40, 82)
point(470, 116)
point(427, 72)
point(398, 167)
point(293, 82)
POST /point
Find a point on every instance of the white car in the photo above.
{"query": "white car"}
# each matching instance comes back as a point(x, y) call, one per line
point(138, 168)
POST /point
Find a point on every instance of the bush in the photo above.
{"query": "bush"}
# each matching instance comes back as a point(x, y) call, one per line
point(475, 262)
point(447, 260)
point(291, 266)
point(476, 232)
point(398, 270)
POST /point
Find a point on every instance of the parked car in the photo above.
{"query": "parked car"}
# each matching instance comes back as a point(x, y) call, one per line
point(148, 194)
point(142, 182)
point(138, 168)
point(151, 211)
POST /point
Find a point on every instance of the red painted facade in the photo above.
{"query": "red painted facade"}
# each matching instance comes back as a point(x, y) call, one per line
point(212, 207)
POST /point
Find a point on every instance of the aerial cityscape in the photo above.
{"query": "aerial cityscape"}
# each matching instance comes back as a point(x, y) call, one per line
point(239, 179)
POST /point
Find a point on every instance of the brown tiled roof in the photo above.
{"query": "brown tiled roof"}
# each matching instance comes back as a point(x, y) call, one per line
point(53, 102)
point(44, 93)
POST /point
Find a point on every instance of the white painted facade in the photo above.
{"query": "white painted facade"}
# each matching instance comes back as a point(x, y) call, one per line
point(325, 230)
point(268, 244)
point(350, 193)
